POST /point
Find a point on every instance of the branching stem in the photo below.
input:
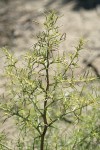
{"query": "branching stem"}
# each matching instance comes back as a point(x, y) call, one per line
point(45, 101)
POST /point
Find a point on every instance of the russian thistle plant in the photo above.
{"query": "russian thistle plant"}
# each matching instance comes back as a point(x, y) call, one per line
point(43, 91)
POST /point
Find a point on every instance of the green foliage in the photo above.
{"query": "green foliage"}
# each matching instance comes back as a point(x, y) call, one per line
point(43, 91)
point(2, 141)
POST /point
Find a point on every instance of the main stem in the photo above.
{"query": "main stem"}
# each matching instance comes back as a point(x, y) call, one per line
point(45, 103)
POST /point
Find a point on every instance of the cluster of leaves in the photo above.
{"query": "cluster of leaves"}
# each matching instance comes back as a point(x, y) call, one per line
point(43, 92)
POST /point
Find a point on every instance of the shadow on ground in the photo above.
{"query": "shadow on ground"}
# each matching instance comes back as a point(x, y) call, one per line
point(86, 4)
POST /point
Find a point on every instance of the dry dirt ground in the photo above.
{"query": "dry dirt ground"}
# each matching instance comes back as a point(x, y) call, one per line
point(18, 30)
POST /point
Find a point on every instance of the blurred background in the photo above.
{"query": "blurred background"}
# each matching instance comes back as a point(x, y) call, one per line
point(20, 21)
